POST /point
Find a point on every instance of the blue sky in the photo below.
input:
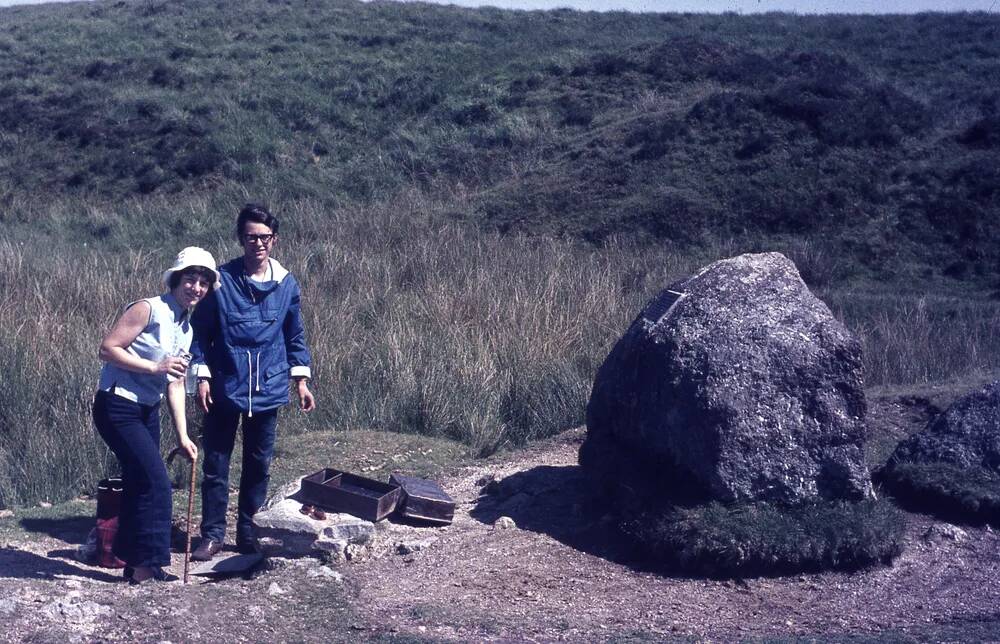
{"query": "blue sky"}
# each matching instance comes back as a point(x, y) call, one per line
point(716, 6)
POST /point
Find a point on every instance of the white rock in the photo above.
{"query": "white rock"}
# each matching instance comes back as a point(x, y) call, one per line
point(504, 523)
point(284, 531)
point(355, 552)
point(275, 589)
point(945, 531)
point(335, 546)
point(347, 527)
point(285, 516)
point(409, 547)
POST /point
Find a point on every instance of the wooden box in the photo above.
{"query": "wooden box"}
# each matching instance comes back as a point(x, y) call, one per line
point(345, 492)
point(423, 500)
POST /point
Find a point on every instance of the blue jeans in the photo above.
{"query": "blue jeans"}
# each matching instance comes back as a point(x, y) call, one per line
point(132, 431)
point(217, 444)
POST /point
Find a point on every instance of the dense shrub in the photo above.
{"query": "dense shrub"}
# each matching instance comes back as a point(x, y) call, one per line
point(761, 539)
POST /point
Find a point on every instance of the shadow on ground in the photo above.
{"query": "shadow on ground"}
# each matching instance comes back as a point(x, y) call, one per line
point(552, 500)
point(20, 564)
point(72, 529)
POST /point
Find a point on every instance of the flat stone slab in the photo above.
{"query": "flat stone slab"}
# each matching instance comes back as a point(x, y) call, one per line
point(284, 531)
point(228, 565)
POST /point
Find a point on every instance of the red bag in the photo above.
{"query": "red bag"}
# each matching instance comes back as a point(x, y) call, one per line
point(109, 500)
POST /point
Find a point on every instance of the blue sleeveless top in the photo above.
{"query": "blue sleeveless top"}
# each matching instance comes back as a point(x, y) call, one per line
point(167, 333)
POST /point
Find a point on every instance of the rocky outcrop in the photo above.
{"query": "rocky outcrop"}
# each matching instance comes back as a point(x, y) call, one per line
point(734, 384)
point(966, 435)
point(283, 530)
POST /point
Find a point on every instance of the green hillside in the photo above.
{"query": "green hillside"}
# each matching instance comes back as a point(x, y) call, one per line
point(874, 136)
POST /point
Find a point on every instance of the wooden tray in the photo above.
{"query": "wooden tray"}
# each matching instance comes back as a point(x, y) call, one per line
point(423, 499)
point(345, 492)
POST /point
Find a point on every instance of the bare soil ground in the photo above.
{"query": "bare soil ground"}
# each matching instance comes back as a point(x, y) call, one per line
point(558, 575)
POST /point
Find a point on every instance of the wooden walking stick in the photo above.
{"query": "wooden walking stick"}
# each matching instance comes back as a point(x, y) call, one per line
point(187, 547)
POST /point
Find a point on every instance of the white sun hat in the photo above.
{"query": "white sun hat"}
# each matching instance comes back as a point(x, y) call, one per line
point(192, 256)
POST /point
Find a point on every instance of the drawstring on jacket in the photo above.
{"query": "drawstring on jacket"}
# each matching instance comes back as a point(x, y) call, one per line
point(250, 382)
point(249, 388)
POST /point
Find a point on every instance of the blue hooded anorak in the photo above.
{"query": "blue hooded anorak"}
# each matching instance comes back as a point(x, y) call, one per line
point(249, 338)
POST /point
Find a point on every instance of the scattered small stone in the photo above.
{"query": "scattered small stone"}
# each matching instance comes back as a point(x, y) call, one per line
point(333, 546)
point(7, 606)
point(275, 589)
point(323, 571)
point(6, 514)
point(73, 611)
point(355, 552)
point(410, 547)
point(45, 504)
point(504, 523)
point(944, 531)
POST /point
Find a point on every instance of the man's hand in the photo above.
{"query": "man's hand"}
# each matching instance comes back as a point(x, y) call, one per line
point(204, 395)
point(306, 400)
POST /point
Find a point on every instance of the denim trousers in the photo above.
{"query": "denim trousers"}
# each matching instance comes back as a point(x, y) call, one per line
point(132, 431)
point(218, 439)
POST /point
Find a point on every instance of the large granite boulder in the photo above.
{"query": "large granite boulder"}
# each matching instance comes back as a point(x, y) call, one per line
point(966, 435)
point(734, 384)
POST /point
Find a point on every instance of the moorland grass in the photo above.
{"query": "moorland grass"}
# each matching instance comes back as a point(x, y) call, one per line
point(418, 324)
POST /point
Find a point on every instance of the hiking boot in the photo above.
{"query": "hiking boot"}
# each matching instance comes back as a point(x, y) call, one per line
point(207, 549)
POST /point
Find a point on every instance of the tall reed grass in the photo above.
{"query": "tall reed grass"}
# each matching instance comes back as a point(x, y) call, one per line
point(417, 323)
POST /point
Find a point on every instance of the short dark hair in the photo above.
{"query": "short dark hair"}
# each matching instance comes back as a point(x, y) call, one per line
point(201, 271)
point(256, 213)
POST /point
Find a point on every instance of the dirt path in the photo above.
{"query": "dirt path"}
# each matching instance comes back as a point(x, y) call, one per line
point(555, 576)
point(549, 579)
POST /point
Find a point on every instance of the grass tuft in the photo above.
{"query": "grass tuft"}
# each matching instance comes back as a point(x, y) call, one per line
point(762, 539)
point(962, 494)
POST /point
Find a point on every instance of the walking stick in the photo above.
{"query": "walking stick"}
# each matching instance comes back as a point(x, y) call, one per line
point(187, 547)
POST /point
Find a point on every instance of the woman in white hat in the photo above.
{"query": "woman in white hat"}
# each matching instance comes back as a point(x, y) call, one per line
point(145, 355)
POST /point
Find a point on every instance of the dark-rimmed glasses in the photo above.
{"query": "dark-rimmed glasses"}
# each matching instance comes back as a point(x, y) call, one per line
point(264, 239)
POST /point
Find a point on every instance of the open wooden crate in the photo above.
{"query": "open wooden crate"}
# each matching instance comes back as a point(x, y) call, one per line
point(345, 492)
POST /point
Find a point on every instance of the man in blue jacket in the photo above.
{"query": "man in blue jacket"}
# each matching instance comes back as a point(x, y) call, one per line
point(248, 342)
